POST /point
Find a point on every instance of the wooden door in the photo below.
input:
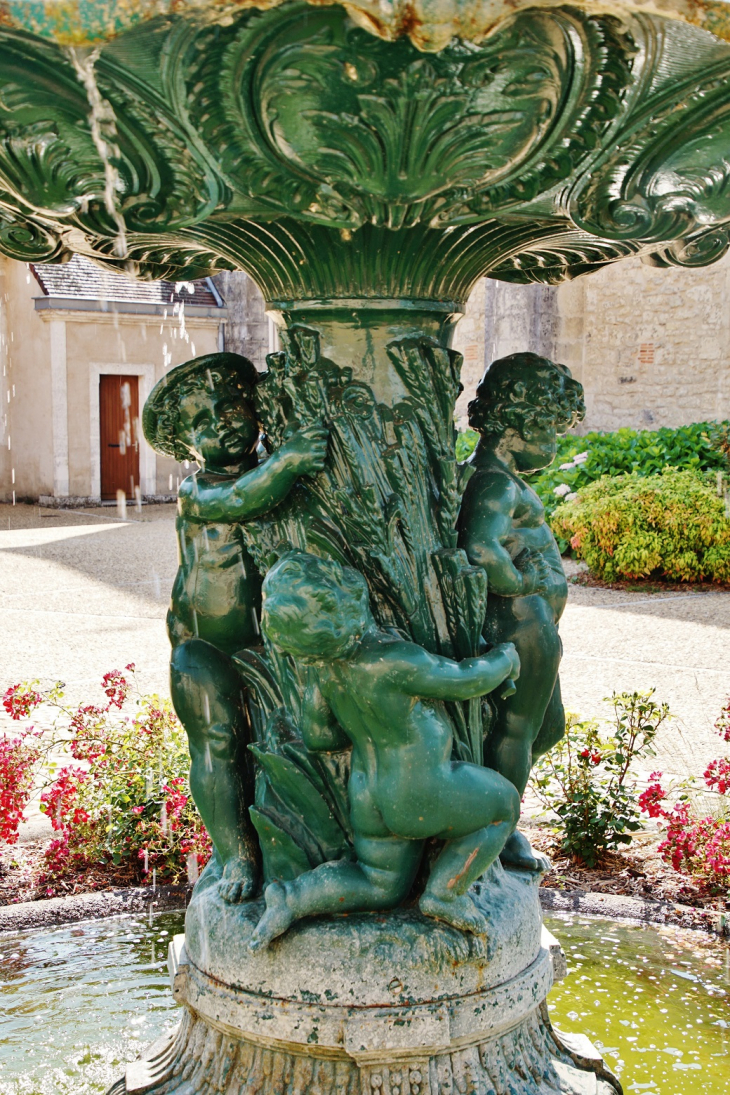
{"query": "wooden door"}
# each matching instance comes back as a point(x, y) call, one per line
point(119, 426)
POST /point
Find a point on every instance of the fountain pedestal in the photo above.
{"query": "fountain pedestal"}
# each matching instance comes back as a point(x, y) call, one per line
point(373, 1004)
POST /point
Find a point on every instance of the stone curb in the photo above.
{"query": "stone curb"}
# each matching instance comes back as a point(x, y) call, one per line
point(614, 906)
point(55, 911)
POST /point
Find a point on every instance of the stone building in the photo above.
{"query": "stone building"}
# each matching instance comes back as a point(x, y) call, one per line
point(80, 349)
point(650, 346)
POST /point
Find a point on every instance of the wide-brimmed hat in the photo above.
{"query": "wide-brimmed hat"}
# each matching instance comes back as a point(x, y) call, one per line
point(234, 364)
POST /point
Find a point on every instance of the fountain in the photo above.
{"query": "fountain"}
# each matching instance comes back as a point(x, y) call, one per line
point(359, 732)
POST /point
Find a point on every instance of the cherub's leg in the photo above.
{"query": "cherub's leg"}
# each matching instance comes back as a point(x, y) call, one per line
point(206, 694)
point(380, 879)
point(474, 796)
point(508, 748)
point(553, 724)
point(522, 718)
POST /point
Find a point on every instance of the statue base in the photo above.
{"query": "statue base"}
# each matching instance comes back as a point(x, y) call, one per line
point(371, 1004)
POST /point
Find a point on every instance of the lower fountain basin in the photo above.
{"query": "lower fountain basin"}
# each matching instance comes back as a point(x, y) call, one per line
point(99, 989)
point(378, 1004)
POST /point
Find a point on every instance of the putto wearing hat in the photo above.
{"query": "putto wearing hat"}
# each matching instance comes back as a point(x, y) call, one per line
point(212, 373)
point(204, 411)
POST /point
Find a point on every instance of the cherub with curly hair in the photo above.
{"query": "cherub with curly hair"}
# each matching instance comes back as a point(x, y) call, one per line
point(204, 411)
point(372, 689)
point(522, 402)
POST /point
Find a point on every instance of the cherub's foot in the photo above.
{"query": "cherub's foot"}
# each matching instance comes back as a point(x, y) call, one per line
point(276, 919)
point(518, 852)
point(459, 911)
point(238, 880)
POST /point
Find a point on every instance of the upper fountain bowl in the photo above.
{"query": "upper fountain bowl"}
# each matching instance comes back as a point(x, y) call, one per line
point(430, 24)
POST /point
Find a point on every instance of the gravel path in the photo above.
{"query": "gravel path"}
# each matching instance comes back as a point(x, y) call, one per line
point(84, 592)
point(678, 643)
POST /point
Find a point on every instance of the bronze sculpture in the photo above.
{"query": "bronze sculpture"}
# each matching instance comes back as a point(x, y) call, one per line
point(522, 402)
point(365, 163)
point(203, 411)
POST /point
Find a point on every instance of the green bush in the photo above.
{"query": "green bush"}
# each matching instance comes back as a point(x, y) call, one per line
point(587, 779)
point(672, 525)
point(701, 447)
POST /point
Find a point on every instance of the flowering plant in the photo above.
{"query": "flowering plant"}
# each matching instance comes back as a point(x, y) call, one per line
point(696, 843)
point(122, 800)
point(587, 779)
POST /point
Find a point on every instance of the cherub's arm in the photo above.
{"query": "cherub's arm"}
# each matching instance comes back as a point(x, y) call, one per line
point(486, 522)
point(428, 676)
point(320, 730)
point(258, 490)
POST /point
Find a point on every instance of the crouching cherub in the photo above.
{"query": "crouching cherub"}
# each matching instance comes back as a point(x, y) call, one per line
point(203, 411)
point(522, 403)
point(374, 691)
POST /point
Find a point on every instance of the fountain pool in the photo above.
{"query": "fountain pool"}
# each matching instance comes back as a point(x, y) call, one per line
point(78, 1001)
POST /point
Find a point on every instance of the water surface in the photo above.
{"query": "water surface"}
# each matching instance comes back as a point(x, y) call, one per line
point(77, 1002)
point(655, 1001)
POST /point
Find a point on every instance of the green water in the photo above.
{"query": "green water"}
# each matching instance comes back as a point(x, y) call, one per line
point(78, 1002)
point(656, 1002)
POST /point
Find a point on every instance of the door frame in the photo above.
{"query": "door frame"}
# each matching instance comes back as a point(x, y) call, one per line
point(147, 455)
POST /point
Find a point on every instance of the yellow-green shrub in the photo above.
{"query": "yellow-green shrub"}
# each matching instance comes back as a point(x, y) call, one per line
point(628, 526)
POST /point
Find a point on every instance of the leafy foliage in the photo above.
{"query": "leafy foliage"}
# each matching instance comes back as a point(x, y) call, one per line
point(123, 799)
point(582, 460)
point(696, 843)
point(700, 447)
point(587, 779)
point(673, 525)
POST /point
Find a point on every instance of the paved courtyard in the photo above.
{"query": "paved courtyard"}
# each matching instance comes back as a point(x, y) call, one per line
point(84, 592)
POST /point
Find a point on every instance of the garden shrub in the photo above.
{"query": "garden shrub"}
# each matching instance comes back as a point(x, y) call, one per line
point(700, 447)
point(672, 525)
point(587, 779)
point(123, 804)
point(696, 844)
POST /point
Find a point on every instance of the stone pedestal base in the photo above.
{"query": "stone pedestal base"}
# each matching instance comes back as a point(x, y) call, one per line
point(391, 1004)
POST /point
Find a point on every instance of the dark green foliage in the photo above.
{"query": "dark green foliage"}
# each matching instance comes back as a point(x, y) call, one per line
point(701, 446)
point(642, 452)
point(672, 525)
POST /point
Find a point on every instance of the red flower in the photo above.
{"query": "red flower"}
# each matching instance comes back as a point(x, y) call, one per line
point(652, 798)
point(19, 701)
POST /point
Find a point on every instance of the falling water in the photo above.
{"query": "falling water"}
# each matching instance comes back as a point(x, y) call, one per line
point(103, 132)
point(193, 870)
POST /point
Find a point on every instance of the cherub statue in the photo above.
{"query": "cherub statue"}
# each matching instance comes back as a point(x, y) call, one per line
point(377, 692)
point(203, 410)
point(522, 402)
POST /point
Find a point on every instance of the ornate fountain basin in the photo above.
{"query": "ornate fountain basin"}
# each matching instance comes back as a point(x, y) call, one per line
point(365, 164)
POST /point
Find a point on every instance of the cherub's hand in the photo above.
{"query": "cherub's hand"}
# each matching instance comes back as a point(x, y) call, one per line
point(535, 573)
point(510, 652)
point(306, 450)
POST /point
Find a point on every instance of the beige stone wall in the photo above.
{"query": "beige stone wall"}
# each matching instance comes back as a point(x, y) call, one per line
point(30, 418)
point(651, 346)
point(502, 319)
point(91, 343)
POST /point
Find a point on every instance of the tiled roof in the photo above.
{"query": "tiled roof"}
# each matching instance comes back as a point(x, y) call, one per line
point(81, 279)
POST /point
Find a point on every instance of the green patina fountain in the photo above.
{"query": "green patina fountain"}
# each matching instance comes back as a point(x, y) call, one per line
point(365, 634)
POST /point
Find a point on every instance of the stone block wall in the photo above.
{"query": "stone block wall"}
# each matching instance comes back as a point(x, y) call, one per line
point(650, 346)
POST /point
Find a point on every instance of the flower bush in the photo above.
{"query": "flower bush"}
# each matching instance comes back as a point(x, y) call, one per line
point(587, 779)
point(122, 802)
point(672, 525)
point(696, 844)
